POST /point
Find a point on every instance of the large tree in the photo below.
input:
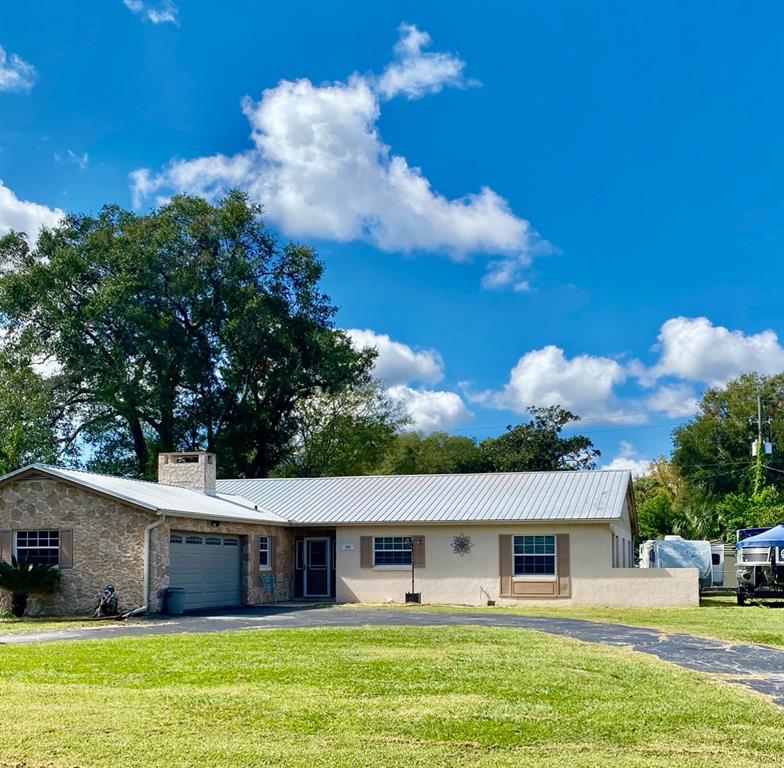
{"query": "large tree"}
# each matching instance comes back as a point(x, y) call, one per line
point(712, 452)
point(190, 327)
point(412, 453)
point(347, 433)
point(29, 416)
point(539, 446)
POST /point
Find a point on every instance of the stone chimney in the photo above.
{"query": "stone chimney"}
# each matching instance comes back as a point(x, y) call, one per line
point(188, 469)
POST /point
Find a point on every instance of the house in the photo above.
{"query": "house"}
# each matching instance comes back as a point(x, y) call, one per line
point(552, 537)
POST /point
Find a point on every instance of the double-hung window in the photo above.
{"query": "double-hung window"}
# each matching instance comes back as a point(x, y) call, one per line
point(392, 550)
point(264, 552)
point(38, 547)
point(534, 555)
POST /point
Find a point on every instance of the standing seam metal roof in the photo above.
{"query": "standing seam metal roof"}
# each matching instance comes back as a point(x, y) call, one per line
point(491, 497)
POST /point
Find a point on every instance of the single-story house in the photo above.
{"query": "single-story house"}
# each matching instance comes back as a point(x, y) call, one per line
point(555, 537)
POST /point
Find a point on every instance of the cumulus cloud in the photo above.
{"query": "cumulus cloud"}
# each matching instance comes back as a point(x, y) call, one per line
point(431, 411)
point(15, 74)
point(414, 73)
point(24, 216)
point(157, 13)
point(696, 350)
point(629, 458)
point(399, 366)
point(321, 169)
point(677, 401)
point(397, 363)
point(583, 384)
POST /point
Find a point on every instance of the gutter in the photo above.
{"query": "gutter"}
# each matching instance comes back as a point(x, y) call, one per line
point(147, 542)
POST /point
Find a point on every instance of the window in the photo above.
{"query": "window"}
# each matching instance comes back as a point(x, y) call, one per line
point(175, 538)
point(392, 550)
point(193, 540)
point(264, 552)
point(231, 543)
point(534, 555)
point(212, 541)
point(38, 547)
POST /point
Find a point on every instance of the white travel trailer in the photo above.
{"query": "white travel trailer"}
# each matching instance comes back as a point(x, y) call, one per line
point(677, 552)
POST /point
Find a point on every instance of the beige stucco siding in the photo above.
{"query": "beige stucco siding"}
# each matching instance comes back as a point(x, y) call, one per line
point(474, 578)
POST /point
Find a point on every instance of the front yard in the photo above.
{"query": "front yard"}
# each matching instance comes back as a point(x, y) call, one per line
point(370, 697)
point(717, 617)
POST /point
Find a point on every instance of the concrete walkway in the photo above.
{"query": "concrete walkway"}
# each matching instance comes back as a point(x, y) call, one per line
point(757, 667)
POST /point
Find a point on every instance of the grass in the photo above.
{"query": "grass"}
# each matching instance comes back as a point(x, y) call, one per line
point(717, 617)
point(9, 625)
point(380, 697)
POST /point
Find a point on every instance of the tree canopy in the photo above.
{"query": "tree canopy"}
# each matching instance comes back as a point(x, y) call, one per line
point(189, 327)
point(539, 446)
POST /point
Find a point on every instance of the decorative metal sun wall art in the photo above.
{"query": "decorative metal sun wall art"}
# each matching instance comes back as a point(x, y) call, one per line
point(461, 544)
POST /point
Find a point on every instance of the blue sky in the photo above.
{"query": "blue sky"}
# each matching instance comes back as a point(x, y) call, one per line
point(518, 204)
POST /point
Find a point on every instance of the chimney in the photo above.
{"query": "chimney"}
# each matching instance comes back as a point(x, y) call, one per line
point(188, 469)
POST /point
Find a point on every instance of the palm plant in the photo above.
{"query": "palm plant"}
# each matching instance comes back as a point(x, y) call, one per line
point(22, 579)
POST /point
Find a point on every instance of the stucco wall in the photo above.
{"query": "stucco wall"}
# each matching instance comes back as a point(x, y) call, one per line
point(473, 578)
point(107, 542)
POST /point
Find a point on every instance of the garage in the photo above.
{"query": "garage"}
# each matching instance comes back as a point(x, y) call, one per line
point(207, 567)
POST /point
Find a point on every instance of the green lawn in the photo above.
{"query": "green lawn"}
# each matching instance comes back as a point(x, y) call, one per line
point(717, 617)
point(41, 625)
point(378, 697)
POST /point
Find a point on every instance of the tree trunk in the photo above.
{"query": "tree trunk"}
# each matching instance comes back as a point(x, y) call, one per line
point(139, 446)
point(18, 604)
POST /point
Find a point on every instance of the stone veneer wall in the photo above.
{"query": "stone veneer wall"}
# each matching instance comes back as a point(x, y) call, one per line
point(108, 547)
point(108, 542)
point(251, 586)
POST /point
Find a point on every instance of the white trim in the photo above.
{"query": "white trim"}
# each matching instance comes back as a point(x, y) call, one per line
point(535, 576)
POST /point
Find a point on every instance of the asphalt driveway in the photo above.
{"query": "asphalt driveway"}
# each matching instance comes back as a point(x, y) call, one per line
point(757, 667)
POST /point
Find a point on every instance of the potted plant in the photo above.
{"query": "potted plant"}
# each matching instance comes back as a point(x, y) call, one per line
point(22, 579)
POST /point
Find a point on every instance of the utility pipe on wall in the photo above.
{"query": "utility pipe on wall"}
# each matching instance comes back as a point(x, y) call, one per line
point(147, 557)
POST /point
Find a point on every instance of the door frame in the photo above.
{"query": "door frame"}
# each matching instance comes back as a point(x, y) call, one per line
point(306, 565)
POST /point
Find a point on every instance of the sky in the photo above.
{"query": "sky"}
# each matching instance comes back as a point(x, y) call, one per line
point(517, 203)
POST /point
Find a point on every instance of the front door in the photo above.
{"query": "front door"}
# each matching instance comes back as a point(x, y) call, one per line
point(317, 567)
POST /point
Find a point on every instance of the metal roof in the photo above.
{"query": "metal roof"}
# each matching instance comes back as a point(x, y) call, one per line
point(161, 498)
point(492, 497)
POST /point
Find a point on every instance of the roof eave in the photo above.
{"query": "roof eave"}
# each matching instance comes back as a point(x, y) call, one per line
point(20, 474)
point(221, 517)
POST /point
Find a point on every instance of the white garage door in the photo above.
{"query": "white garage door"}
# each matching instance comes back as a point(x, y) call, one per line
point(207, 567)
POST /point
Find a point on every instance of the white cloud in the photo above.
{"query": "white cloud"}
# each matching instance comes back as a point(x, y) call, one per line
point(431, 411)
point(416, 74)
point(82, 161)
point(164, 12)
point(319, 166)
point(24, 216)
point(397, 363)
point(696, 350)
point(583, 384)
point(677, 401)
point(15, 74)
point(629, 458)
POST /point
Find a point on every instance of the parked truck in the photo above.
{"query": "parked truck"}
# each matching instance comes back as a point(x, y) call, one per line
point(760, 564)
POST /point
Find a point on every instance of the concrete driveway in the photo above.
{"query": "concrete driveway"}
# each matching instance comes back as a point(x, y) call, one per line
point(757, 667)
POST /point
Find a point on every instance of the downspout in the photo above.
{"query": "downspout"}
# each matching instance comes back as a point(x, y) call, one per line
point(146, 580)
